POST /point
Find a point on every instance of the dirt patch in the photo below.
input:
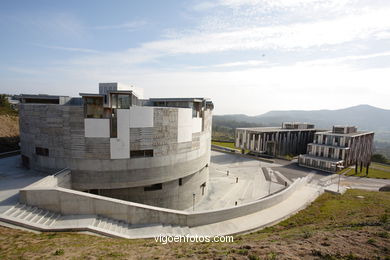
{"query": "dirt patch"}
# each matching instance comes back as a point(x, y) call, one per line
point(9, 126)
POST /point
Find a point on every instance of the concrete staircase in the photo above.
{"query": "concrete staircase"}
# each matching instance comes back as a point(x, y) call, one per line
point(30, 216)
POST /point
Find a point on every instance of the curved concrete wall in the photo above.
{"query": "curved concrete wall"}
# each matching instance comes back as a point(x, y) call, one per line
point(97, 161)
point(70, 202)
point(172, 194)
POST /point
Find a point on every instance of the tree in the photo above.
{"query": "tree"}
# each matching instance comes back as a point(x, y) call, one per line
point(4, 101)
point(380, 158)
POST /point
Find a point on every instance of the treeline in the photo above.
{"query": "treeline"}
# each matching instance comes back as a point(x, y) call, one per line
point(224, 129)
point(5, 106)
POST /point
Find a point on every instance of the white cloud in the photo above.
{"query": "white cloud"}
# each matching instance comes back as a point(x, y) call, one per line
point(62, 48)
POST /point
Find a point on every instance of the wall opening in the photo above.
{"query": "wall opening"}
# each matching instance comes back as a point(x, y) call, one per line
point(41, 151)
point(203, 186)
point(141, 153)
point(153, 187)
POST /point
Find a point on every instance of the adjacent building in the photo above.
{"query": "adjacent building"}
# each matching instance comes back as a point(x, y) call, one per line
point(154, 151)
point(342, 147)
point(289, 139)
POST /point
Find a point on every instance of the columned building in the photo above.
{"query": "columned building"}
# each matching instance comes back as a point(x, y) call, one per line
point(289, 139)
point(154, 151)
point(342, 147)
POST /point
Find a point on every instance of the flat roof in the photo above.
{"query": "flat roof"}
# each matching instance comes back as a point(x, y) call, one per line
point(91, 95)
point(275, 129)
point(330, 132)
point(39, 96)
point(178, 99)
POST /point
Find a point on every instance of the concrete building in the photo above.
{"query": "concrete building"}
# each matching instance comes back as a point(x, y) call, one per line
point(343, 146)
point(291, 138)
point(154, 151)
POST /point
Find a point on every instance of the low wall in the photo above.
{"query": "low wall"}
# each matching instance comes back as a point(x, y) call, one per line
point(71, 202)
point(213, 216)
point(60, 179)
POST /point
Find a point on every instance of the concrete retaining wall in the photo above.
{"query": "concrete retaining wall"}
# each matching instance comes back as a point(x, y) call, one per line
point(71, 202)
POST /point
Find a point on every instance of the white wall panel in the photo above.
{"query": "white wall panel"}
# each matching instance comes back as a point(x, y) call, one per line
point(196, 125)
point(120, 146)
point(141, 117)
point(96, 127)
point(184, 131)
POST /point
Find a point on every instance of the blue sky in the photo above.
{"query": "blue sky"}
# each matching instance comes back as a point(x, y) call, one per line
point(248, 56)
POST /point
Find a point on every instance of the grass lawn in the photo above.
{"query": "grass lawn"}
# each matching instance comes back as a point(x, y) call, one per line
point(372, 173)
point(384, 166)
point(224, 144)
point(355, 225)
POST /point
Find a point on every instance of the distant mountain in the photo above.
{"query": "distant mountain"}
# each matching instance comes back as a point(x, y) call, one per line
point(365, 117)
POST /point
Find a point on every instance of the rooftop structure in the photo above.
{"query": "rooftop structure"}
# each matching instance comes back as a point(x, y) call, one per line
point(153, 151)
point(343, 146)
point(290, 138)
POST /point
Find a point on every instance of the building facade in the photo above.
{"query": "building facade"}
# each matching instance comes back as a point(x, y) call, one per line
point(154, 151)
point(291, 138)
point(342, 147)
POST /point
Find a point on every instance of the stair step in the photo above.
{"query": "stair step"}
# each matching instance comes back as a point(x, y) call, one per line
point(31, 214)
point(11, 210)
point(19, 211)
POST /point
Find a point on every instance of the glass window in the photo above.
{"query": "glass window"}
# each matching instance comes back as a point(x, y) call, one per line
point(93, 107)
point(124, 101)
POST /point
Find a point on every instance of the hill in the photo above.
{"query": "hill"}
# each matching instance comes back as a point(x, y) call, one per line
point(365, 117)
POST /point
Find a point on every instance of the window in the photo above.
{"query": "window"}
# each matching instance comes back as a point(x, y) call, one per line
point(41, 151)
point(93, 107)
point(322, 164)
point(153, 187)
point(330, 152)
point(121, 101)
point(113, 125)
point(180, 181)
point(337, 141)
point(141, 153)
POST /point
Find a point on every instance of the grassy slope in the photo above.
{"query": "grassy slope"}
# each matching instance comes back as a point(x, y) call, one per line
point(224, 144)
point(372, 173)
point(333, 227)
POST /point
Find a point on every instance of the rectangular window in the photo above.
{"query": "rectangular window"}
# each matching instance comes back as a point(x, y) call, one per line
point(141, 153)
point(157, 186)
point(113, 125)
point(41, 151)
point(180, 181)
point(93, 107)
point(330, 152)
point(121, 101)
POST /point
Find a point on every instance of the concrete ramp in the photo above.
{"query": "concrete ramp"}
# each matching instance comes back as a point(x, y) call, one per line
point(44, 220)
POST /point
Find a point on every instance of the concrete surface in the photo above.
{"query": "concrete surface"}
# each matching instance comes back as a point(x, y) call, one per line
point(12, 178)
point(224, 191)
